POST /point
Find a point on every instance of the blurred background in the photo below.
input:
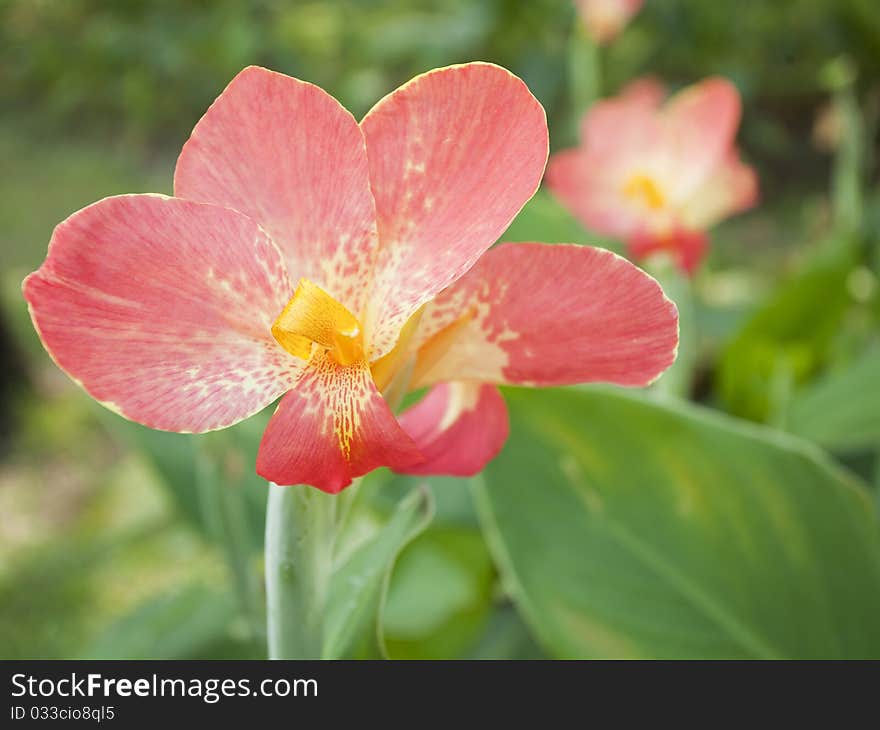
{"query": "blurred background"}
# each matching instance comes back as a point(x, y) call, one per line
point(112, 541)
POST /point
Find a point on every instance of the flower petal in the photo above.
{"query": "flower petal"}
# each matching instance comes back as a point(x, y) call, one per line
point(648, 91)
point(454, 155)
point(542, 314)
point(575, 177)
point(621, 136)
point(161, 308)
point(701, 123)
point(333, 426)
point(288, 155)
point(731, 188)
point(625, 121)
point(459, 427)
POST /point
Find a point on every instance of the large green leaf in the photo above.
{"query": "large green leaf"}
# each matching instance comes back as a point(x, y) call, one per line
point(626, 528)
point(440, 595)
point(842, 411)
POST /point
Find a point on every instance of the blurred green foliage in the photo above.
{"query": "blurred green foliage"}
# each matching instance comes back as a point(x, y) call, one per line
point(117, 541)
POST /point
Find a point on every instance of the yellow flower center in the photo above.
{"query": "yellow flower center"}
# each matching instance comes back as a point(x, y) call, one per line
point(642, 189)
point(312, 317)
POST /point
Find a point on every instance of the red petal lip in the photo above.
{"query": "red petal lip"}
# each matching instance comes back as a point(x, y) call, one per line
point(334, 426)
point(459, 427)
point(687, 248)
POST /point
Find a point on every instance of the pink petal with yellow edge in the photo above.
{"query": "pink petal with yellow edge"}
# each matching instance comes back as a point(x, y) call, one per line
point(288, 155)
point(731, 188)
point(541, 314)
point(459, 427)
point(333, 426)
point(701, 123)
point(454, 155)
point(161, 309)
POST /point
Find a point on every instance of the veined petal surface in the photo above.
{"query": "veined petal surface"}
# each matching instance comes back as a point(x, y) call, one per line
point(161, 309)
point(288, 155)
point(548, 314)
point(731, 188)
point(700, 127)
point(454, 155)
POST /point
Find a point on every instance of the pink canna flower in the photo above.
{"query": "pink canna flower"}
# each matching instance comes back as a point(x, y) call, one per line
point(604, 19)
point(307, 256)
point(658, 176)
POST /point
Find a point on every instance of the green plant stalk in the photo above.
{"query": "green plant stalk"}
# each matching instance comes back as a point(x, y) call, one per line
point(584, 71)
point(848, 173)
point(300, 533)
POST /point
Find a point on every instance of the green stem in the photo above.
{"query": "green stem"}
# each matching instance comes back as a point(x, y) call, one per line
point(300, 525)
point(847, 178)
point(584, 70)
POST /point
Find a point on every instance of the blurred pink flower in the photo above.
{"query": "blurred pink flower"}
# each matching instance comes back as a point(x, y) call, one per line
point(604, 19)
point(658, 177)
point(183, 313)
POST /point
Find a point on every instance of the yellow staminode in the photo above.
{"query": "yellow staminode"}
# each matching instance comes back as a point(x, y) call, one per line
point(644, 190)
point(386, 367)
point(312, 316)
point(438, 345)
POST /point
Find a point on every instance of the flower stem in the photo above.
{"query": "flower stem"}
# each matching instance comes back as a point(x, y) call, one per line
point(848, 175)
point(300, 525)
point(584, 71)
